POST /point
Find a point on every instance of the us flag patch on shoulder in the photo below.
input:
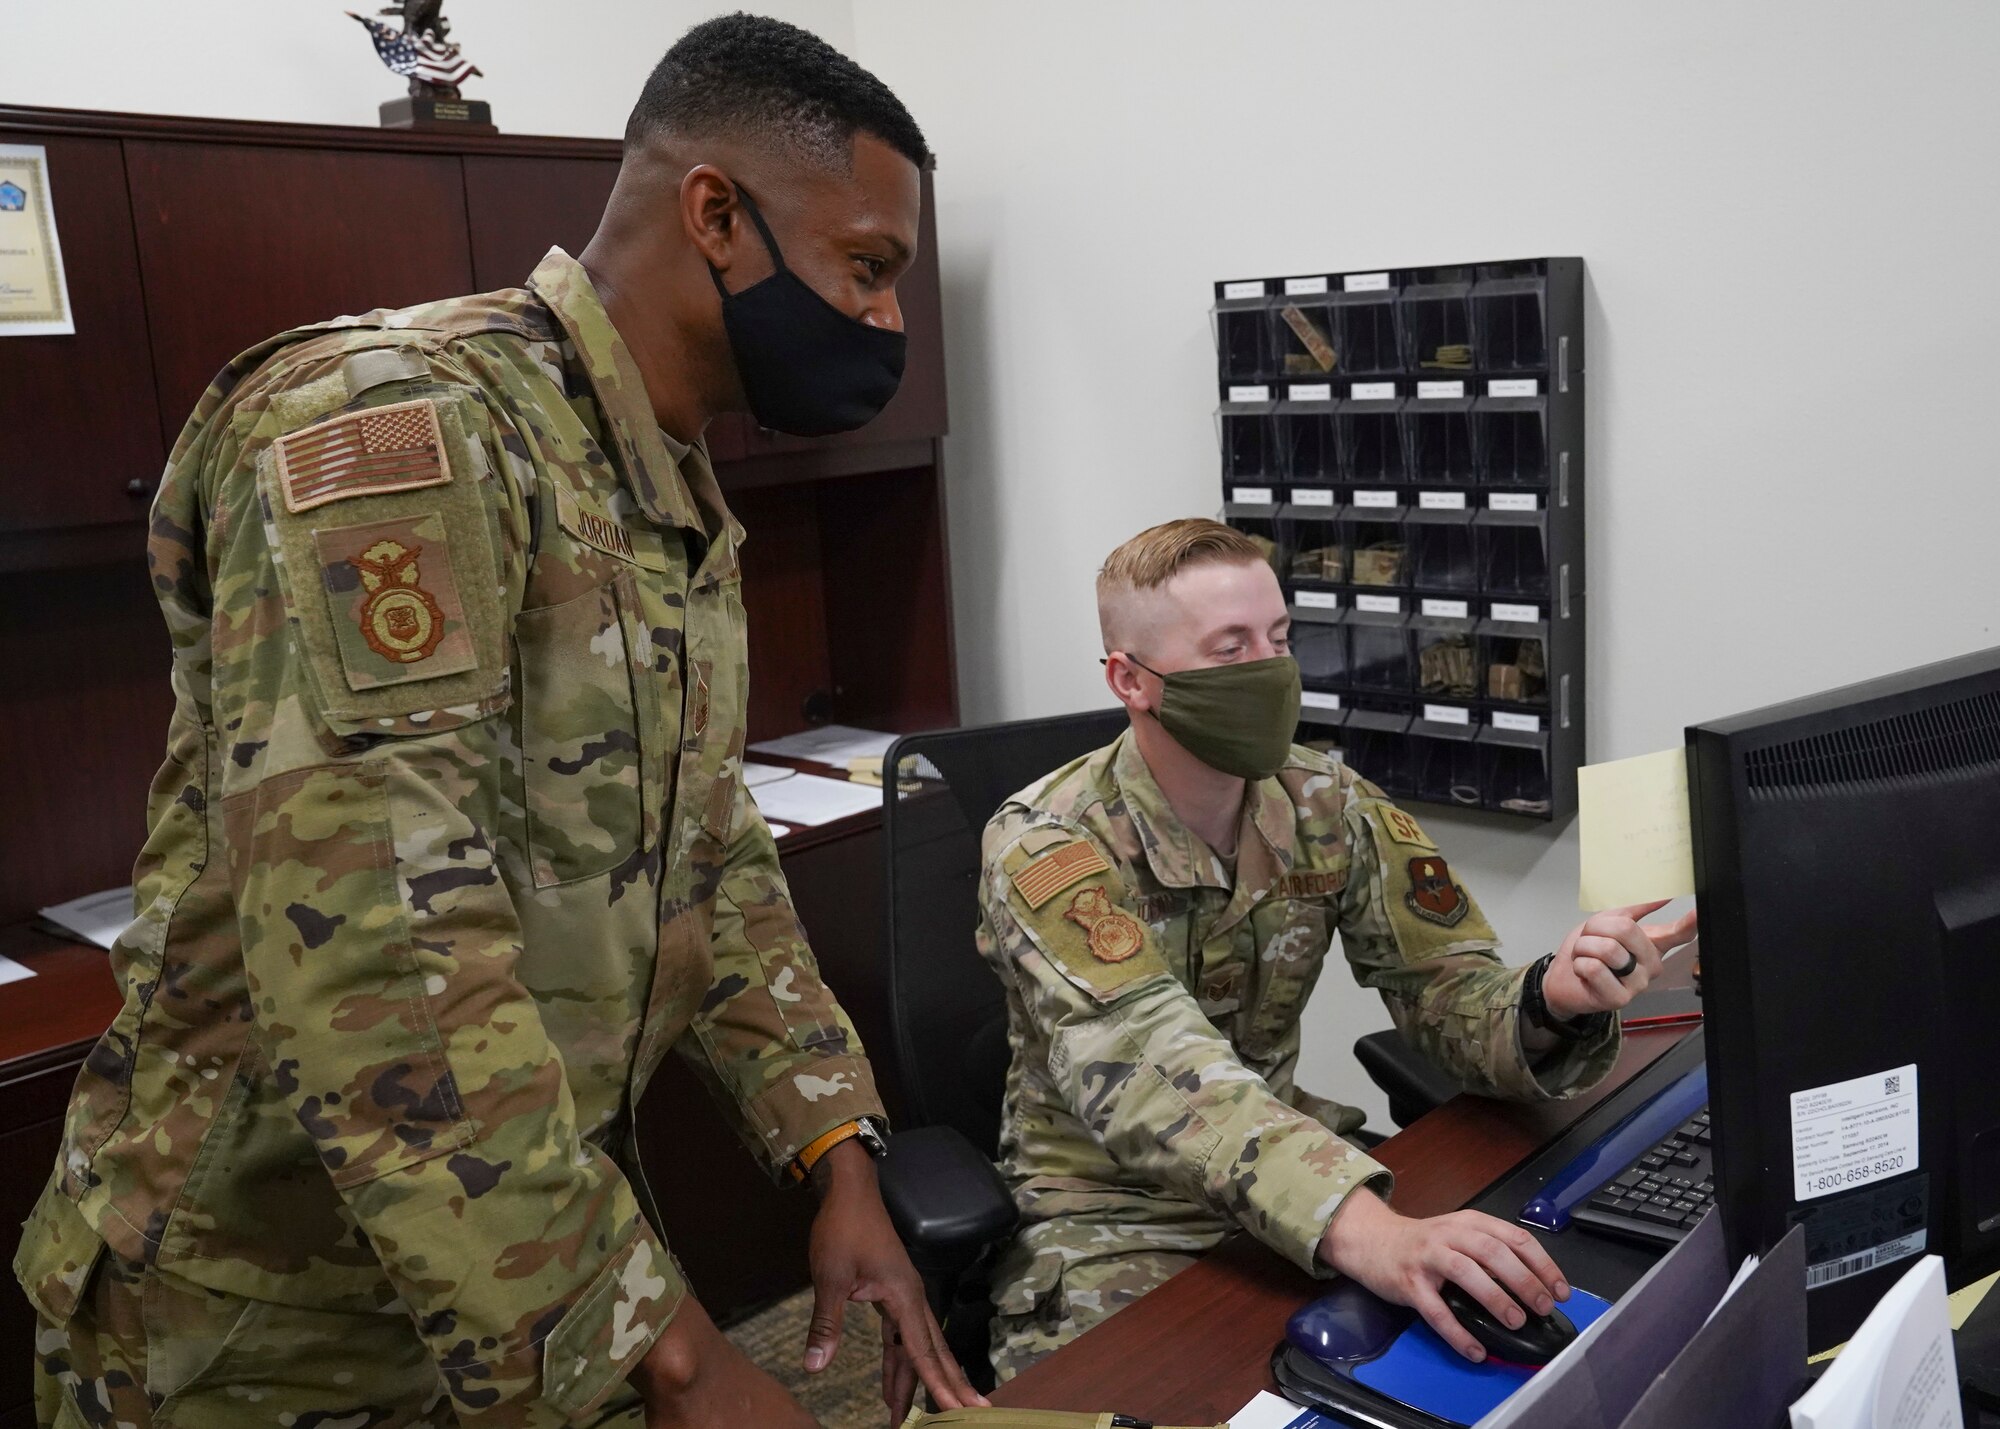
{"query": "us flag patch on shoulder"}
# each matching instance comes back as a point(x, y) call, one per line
point(394, 448)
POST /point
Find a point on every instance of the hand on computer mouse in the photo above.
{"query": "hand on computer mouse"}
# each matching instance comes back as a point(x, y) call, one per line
point(1409, 1261)
point(1539, 1339)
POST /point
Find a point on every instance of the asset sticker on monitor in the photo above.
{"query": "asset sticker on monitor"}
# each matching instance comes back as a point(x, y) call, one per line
point(1250, 394)
point(1300, 287)
point(1310, 391)
point(1847, 1134)
point(1373, 391)
point(1365, 283)
point(1254, 496)
point(1252, 289)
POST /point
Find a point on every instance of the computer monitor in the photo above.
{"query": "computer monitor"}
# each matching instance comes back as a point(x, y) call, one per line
point(1847, 866)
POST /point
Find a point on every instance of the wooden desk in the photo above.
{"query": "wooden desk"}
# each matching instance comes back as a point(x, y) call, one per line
point(1196, 1350)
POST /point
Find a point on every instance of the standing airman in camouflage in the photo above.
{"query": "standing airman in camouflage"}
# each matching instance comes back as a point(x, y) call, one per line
point(1159, 912)
point(451, 844)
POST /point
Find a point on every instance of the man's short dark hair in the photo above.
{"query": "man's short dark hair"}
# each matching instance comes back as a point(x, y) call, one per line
point(763, 80)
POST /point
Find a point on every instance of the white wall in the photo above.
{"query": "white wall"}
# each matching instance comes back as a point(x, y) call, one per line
point(1787, 211)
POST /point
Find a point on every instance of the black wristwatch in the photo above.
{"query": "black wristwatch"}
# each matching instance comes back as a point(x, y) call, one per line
point(1536, 1009)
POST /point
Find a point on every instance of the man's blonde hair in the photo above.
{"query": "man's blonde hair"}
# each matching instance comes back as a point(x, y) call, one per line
point(1155, 556)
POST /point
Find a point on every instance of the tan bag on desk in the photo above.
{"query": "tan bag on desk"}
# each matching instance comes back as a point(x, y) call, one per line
point(1024, 1419)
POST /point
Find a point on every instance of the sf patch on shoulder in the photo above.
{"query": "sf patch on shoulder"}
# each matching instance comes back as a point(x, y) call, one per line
point(396, 610)
point(365, 453)
point(1404, 829)
point(1114, 935)
point(1433, 896)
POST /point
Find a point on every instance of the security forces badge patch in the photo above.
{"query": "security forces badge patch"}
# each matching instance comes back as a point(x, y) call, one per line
point(1433, 896)
point(1114, 934)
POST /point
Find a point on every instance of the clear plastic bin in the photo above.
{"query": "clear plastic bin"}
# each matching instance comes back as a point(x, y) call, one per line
point(1303, 337)
point(1436, 319)
point(1514, 662)
point(1247, 435)
point(1307, 435)
point(1515, 771)
point(1444, 761)
point(1438, 434)
point(1377, 746)
point(1315, 551)
point(1510, 321)
point(1444, 556)
point(1378, 554)
point(1378, 652)
point(1445, 654)
point(1366, 332)
point(1371, 439)
point(1512, 437)
point(1319, 644)
point(1242, 333)
point(1513, 553)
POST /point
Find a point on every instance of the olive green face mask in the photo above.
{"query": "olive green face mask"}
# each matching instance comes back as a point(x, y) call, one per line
point(1235, 718)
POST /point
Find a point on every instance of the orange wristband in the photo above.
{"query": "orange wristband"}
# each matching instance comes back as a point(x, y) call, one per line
point(803, 1164)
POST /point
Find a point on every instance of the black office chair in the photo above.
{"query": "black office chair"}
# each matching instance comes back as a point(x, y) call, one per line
point(948, 1012)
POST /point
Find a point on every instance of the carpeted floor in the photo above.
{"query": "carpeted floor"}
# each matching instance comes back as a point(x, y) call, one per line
point(847, 1394)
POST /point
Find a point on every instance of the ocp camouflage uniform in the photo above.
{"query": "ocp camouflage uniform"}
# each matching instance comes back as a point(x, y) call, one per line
point(449, 847)
point(1153, 1000)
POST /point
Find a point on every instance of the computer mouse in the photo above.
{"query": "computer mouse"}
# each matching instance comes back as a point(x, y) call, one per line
point(1540, 1339)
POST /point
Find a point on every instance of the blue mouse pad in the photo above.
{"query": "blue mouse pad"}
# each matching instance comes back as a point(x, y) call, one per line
point(1424, 1372)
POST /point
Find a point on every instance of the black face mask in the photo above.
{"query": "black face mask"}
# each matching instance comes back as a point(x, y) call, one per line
point(807, 367)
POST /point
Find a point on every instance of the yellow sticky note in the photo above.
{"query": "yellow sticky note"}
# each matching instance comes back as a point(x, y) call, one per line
point(1637, 842)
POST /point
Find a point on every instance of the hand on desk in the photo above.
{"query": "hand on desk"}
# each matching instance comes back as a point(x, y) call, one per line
point(1585, 976)
point(1407, 1261)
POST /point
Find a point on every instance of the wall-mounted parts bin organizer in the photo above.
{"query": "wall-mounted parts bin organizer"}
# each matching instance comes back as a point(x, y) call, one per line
point(1407, 444)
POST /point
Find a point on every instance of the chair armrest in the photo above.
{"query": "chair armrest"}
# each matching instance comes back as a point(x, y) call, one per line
point(946, 1200)
point(1413, 1085)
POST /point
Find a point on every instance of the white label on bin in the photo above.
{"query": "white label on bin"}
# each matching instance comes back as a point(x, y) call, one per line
point(1310, 391)
point(1366, 283)
point(1250, 394)
point(1312, 496)
point(1317, 599)
point(1520, 723)
point(1846, 1134)
point(1379, 604)
point(1253, 289)
point(1513, 501)
point(1300, 287)
point(1440, 389)
point(1376, 500)
point(1441, 500)
point(1514, 387)
point(1448, 609)
point(1315, 700)
point(1525, 614)
point(1373, 392)
point(1447, 714)
point(1253, 495)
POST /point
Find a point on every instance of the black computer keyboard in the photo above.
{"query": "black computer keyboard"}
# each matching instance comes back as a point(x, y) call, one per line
point(1662, 1194)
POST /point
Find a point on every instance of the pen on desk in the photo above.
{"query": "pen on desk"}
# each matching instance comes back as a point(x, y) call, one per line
point(1671, 1019)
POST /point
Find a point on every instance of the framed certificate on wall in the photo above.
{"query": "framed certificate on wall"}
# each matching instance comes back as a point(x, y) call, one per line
point(34, 297)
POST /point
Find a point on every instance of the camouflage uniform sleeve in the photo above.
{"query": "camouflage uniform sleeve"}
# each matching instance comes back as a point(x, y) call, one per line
point(360, 658)
point(769, 1039)
point(1137, 1061)
point(1411, 932)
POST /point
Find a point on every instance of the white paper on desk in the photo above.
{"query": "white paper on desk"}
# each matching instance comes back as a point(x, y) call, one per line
point(1267, 1411)
point(809, 799)
point(755, 776)
point(833, 744)
point(1898, 1372)
point(96, 917)
point(11, 971)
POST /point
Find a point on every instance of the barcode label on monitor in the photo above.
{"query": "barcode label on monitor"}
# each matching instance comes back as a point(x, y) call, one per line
point(1888, 1253)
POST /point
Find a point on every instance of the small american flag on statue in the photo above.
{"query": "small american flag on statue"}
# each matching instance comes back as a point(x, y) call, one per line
point(421, 56)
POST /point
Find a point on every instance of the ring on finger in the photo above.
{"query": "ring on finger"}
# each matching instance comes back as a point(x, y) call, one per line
point(1631, 962)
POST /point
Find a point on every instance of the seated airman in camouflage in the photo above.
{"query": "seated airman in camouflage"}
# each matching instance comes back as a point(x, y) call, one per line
point(1159, 912)
point(451, 845)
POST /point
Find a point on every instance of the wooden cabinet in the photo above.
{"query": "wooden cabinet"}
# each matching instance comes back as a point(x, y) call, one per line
point(190, 240)
point(81, 421)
